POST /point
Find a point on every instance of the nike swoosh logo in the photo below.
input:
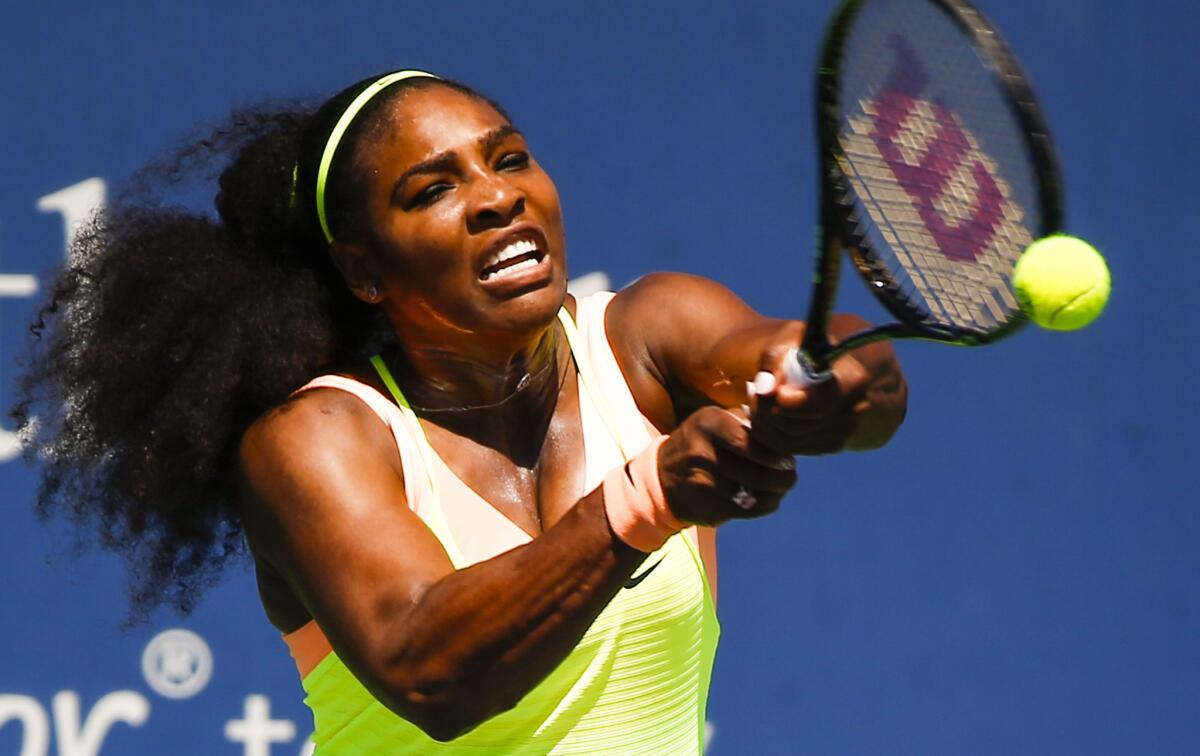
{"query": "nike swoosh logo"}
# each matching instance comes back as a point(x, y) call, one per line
point(636, 579)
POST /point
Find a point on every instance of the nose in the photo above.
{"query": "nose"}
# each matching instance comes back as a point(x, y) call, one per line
point(496, 202)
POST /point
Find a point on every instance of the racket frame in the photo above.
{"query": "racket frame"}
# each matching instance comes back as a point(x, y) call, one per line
point(840, 228)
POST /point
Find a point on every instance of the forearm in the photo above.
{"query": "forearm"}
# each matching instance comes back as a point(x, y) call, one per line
point(481, 638)
point(734, 360)
point(738, 355)
point(715, 343)
point(878, 411)
point(325, 510)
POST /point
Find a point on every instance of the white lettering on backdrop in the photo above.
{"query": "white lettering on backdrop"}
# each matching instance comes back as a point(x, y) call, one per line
point(125, 706)
point(76, 204)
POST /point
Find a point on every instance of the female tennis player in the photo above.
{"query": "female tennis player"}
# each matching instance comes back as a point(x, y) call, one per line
point(480, 511)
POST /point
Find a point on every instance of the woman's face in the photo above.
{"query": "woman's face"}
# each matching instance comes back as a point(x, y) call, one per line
point(467, 228)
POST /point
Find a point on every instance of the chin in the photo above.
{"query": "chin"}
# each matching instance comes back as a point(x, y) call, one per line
point(520, 317)
point(536, 309)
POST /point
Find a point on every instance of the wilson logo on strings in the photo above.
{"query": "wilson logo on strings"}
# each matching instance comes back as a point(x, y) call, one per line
point(945, 166)
point(939, 201)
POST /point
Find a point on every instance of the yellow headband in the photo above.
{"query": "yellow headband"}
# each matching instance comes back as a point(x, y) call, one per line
point(339, 131)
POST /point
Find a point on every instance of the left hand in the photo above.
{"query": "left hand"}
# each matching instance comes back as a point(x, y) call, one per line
point(860, 407)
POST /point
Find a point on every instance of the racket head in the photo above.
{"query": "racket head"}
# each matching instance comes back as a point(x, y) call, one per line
point(938, 167)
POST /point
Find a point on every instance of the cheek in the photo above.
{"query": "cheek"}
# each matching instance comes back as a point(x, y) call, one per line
point(428, 246)
point(547, 195)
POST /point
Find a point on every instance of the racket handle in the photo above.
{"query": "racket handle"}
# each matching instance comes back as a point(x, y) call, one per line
point(800, 371)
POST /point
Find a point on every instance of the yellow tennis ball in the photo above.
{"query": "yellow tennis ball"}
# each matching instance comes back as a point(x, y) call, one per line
point(1062, 282)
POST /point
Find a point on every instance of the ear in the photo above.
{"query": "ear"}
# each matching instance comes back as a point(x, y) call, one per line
point(358, 271)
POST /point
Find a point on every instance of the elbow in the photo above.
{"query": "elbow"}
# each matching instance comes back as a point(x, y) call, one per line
point(444, 706)
point(870, 441)
point(885, 403)
point(884, 415)
point(444, 727)
point(447, 720)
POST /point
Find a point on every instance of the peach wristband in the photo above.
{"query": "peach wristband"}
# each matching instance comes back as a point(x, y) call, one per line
point(634, 501)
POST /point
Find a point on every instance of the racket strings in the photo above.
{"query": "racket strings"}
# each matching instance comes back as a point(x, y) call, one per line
point(937, 176)
point(961, 273)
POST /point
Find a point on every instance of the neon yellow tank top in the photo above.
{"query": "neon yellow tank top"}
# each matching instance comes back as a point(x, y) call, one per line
point(637, 682)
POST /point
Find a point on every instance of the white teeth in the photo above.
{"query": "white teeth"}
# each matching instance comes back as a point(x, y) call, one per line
point(530, 263)
point(520, 266)
point(515, 249)
point(521, 247)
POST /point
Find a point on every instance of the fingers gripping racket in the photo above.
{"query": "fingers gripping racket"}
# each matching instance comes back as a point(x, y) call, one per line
point(937, 171)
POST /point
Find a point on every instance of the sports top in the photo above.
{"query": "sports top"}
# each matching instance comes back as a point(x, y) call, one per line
point(636, 683)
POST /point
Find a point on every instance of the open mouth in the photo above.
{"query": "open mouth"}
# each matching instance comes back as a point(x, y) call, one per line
point(513, 258)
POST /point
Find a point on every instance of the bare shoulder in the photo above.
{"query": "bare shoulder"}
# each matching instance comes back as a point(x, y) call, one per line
point(651, 289)
point(317, 424)
point(296, 458)
point(674, 306)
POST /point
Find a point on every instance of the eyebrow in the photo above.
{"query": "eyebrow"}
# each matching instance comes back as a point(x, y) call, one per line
point(445, 161)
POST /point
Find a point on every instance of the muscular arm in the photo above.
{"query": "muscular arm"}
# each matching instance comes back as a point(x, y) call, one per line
point(684, 342)
point(325, 508)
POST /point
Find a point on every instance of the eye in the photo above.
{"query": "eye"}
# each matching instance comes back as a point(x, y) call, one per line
point(429, 194)
point(513, 161)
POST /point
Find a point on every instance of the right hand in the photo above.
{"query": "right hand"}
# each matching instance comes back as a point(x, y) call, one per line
point(709, 458)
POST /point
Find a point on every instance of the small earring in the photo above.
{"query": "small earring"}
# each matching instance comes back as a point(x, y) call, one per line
point(373, 293)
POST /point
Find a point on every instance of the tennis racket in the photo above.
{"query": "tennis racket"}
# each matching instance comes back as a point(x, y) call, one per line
point(937, 171)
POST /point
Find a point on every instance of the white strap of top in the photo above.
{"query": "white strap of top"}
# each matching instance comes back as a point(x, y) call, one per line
point(583, 365)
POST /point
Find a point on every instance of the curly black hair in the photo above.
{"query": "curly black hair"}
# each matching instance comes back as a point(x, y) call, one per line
point(171, 329)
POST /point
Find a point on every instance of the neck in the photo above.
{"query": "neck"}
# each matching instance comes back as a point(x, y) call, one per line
point(502, 402)
point(500, 398)
point(455, 378)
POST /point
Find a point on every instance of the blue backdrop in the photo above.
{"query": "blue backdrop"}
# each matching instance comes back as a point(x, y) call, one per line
point(1015, 573)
